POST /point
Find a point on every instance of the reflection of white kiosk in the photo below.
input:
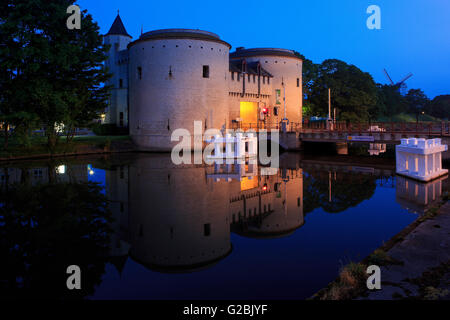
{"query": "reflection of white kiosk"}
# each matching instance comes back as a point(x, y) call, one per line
point(376, 148)
point(416, 196)
point(236, 171)
point(420, 159)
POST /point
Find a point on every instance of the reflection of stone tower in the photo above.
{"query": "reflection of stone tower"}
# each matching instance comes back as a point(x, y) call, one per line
point(117, 64)
point(178, 218)
point(117, 193)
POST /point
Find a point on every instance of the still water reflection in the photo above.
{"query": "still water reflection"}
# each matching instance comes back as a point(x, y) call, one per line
point(141, 228)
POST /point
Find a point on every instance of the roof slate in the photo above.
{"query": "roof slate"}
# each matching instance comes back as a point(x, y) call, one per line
point(118, 28)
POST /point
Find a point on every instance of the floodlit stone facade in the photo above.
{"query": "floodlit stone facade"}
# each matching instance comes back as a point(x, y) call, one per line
point(167, 79)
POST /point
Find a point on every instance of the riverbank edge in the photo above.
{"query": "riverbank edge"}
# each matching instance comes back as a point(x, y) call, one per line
point(358, 288)
point(105, 146)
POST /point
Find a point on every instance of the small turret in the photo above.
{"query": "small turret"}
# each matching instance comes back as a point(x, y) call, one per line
point(117, 64)
point(118, 28)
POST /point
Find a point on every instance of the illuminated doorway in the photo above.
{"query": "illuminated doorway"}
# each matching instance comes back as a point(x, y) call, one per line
point(249, 115)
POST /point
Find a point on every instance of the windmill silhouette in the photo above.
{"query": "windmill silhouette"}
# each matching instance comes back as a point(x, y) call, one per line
point(401, 85)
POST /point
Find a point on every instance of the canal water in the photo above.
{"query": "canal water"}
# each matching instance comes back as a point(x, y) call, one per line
point(140, 227)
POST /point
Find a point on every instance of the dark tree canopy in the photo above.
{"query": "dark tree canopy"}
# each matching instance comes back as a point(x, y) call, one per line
point(439, 107)
point(417, 101)
point(353, 92)
point(49, 73)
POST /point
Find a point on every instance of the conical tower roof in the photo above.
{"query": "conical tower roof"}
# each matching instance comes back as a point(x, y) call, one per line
point(118, 28)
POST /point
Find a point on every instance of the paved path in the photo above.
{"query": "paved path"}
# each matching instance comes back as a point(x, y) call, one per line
point(425, 253)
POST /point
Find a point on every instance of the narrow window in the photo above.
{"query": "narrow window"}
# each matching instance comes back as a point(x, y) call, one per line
point(248, 78)
point(207, 230)
point(268, 80)
point(298, 202)
point(139, 71)
point(120, 83)
point(121, 119)
point(238, 77)
point(232, 76)
point(298, 82)
point(205, 71)
point(264, 80)
point(275, 111)
point(254, 78)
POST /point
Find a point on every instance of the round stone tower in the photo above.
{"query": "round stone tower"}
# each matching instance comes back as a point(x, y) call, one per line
point(177, 76)
point(286, 69)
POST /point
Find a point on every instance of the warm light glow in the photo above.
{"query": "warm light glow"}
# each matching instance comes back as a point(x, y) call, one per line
point(265, 187)
point(61, 169)
point(249, 112)
point(90, 170)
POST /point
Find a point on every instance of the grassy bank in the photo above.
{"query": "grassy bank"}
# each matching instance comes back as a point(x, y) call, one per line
point(37, 146)
point(408, 117)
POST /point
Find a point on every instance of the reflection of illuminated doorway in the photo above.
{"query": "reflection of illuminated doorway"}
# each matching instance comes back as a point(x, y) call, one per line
point(249, 115)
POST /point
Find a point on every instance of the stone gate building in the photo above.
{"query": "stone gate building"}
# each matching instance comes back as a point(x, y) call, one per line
point(167, 79)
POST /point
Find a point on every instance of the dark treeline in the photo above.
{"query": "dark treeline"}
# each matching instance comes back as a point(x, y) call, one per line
point(357, 97)
point(49, 75)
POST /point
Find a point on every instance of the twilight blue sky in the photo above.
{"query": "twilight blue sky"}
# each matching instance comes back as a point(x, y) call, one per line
point(415, 34)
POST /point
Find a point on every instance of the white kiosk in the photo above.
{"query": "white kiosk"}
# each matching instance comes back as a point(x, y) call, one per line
point(239, 147)
point(420, 159)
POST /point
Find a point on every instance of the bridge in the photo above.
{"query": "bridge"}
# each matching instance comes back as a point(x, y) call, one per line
point(343, 132)
point(377, 132)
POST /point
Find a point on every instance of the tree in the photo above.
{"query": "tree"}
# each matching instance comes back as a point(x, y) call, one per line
point(57, 73)
point(439, 107)
point(14, 38)
point(390, 101)
point(353, 92)
point(416, 101)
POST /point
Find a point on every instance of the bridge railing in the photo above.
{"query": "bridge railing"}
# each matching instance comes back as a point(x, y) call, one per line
point(291, 127)
point(428, 128)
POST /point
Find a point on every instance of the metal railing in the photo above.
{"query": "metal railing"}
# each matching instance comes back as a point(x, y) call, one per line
point(411, 128)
